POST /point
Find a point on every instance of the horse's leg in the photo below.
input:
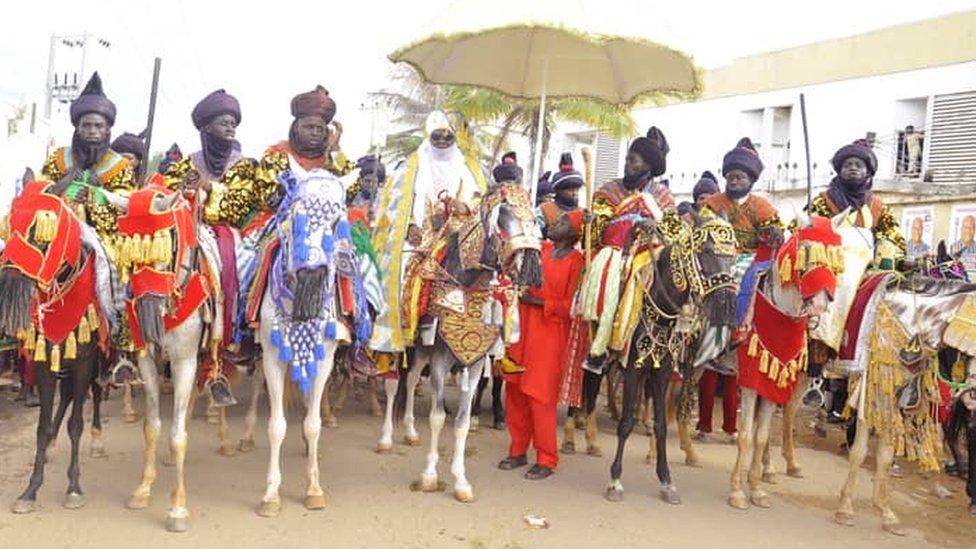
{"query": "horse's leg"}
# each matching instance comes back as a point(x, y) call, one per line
point(659, 378)
point(212, 414)
point(569, 432)
point(65, 394)
point(497, 403)
point(227, 448)
point(463, 491)
point(789, 426)
point(328, 410)
point(759, 496)
point(150, 428)
point(129, 414)
point(856, 454)
point(440, 366)
point(612, 372)
point(374, 402)
point(275, 378)
point(971, 477)
point(615, 491)
point(410, 435)
point(97, 445)
point(885, 455)
point(246, 443)
point(83, 374)
point(683, 419)
point(385, 443)
point(481, 382)
point(312, 428)
point(26, 503)
point(591, 394)
point(184, 380)
point(737, 498)
point(192, 407)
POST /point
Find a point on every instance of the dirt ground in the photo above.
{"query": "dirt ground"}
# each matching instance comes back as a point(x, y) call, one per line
point(370, 503)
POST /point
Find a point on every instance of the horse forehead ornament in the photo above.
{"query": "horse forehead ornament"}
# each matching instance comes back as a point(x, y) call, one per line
point(314, 234)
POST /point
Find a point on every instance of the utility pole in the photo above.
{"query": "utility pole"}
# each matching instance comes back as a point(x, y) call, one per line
point(64, 84)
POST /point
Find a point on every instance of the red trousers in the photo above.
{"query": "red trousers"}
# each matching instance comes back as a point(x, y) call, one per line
point(531, 421)
point(706, 401)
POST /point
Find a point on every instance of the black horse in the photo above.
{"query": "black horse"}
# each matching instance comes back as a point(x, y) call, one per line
point(696, 269)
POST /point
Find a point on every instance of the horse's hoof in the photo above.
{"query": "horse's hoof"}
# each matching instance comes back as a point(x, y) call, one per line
point(98, 452)
point(769, 478)
point(315, 503)
point(411, 441)
point(331, 423)
point(228, 450)
point(794, 472)
point(384, 447)
point(464, 494)
point(23, 506)
point(670, 495)
point(894, 528)
point(429, 484)
point(579, 422)
point(594, 451)
point(177, 524)
point(73, 500)
point(761, 500)
point(615, 495)
point(568, 448)
point(138, 501)
point(844, 518)
point(245, 445)
point(738, 500)
point(692, 461)
point(130, 417)
point(270, 509)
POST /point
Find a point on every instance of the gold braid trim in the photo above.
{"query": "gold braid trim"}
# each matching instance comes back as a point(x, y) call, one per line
point(339, 164)
point(53, 169)
point(249, 188)
point(602, 215)
point(887, 228)
point(353, 191)
point(175, 173)
point(670, 227)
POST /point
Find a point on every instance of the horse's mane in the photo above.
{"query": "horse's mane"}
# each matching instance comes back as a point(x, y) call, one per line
point(928, 286)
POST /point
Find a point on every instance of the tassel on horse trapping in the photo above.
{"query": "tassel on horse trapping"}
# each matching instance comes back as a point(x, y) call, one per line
point(70, 347)
point(40, 349)
point(754, 345)
point(55, 358)
point(84, 330)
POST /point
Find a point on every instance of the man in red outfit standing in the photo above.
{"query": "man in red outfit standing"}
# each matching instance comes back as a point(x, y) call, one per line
point(531, 396)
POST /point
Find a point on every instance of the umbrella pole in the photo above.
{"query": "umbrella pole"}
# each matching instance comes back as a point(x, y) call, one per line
point(806, 148)
point(537, 158)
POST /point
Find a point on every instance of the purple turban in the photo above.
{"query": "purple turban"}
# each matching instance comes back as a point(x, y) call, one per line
point(131, 144)
point(706, 185)
point(653, 149)
point(507, 172)
point(743, 157)
point(217, 103)
point(314, 103)
point(566, 178)
point(858, 149)
point(92, 100)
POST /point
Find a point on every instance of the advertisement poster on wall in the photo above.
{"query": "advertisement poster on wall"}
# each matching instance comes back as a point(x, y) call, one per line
point(917, 225)
point(962, 228)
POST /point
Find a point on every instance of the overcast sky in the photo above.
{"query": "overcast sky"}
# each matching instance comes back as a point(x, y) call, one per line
point(266, 52)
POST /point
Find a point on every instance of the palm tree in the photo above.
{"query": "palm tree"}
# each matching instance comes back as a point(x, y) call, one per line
point(483, 107)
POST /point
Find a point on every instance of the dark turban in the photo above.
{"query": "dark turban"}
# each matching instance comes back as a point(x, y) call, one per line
point(566, 162)
point(510, 158)
point(507, 172)
point(92, 100)
point(566, 178)
point(172, 156)
point(314, 103)
point(371, 164)
point(653, 149)
point(743, 157)
point(858, 149)
point(685, 208)
point(131, 144)
point(543, 188)
point(706, 185)
point(217, 103)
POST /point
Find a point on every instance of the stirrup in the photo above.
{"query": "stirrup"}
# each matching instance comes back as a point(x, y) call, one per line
point(220, 394)
point(124, 373)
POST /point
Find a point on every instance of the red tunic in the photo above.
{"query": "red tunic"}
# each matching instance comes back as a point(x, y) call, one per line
point(545, 330)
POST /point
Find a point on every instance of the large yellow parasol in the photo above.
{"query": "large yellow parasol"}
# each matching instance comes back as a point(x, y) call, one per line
point(609, 50)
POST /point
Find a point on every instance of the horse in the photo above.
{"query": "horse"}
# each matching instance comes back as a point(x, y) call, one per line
point(171, 270)
point(469, 278)
point(57, 296)
point(306, 287)
point(908, 319)
point(696, 268)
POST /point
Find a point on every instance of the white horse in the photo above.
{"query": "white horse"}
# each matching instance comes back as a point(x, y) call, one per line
point(175, 332)
point(300, 315)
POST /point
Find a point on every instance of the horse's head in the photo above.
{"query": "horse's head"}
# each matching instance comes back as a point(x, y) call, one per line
point(43, 247)
point(706, 255)
point(153, 252)
point(510, 221)
point(311, 222)
point(807, 265)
